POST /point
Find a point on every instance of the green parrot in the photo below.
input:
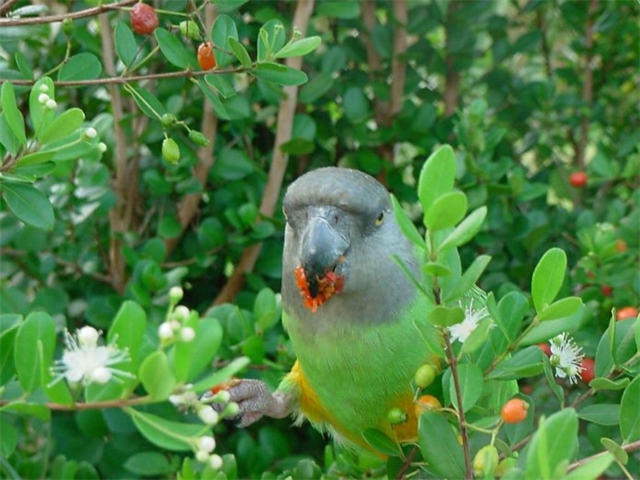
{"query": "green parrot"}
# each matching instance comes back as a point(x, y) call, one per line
point(355, 319)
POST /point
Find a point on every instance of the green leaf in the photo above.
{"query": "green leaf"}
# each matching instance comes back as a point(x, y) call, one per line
point(41, 116)
point(221, 375)
point(279, 74)
point(548, 373)
point(12, 114)
point(174, 436)
point(446, 211)
point(467, 229)
point(29, 204)
point(601, 413)
point(148, 103)
point(218, 106)
point(468, 279)
point(240, 52)
point(126, 45)
point(548, 277)
point(7, 138)
point(149, 464)
point(206, 344)
point(592, 469)
point(221, 83)
point(436, 269)
point(560, 309)
point(36, 410)
point(127, 331)
point(299, 47)
point(223, 28)
point(471, 386)
point(64, 125)
point(616, 450)
point(525, 363)
point(630, 413)
point(406, 225)
point(437, 176)
point(265, 309)
point(439, 446)
point(271, 38)
point(36, 158)
point(552, 445)
point(83, 66)
point(9, 438)
point(356, 105)
point(173, 50)
point(446, 316)
point(602, 383)
point(381, 442)
point(97, 392)
point(478, 337)
point(33, 352)
point(156, 375)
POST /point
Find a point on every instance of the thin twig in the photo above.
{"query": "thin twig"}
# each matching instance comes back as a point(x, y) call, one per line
point(629, 447)
point(452, 77)
point(88, 12)
point(6, 6)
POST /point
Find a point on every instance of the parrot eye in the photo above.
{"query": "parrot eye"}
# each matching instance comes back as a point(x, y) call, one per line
point(380, 219)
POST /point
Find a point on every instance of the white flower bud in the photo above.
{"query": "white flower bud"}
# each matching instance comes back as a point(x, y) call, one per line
point(207, 444)
point(208, 415)
point(231, 410)
point(187, 334)
point(175, 325)
point(175, 294)
point(102, 147)
point(176, 400)
point(215, 461)
point(43, 98)
point(165, 331)
point(44, 88)
point(202, 456)
point(182, 313)
point(222, 396)
point(88, 336)
point(101, 375)
point(91, 133)
point(51, 104)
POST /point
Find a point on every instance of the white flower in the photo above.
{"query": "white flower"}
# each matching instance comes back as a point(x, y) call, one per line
point(83, 360)
point(472, 318)
point(566, 357)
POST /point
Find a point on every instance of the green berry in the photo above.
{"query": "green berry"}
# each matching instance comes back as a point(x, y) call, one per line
point(168, 119)
point(189, 29)
point(425, 375)
point(486, 460)
point(396, 416)
point(170, 150)
point(198, 138)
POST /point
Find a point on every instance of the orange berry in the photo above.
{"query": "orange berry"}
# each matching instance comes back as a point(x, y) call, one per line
point(514, 411)
point(426, 403)
point(621, 245)
point(143, 19)
point(546, 348)
point(588, 369)
point(626, 312)
point(206, 57)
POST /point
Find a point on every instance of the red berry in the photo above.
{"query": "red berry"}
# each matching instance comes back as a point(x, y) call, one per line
point(626, 312)
point(621, 245)
point(588, 369)
point(578, 179)
point(606, 290)
point(206, 57)
point(143, 19)
point(546, 348)
point(514, 411)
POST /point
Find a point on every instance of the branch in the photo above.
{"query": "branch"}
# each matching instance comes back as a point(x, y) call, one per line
point(463, 422)
point(373, 59)
point(399, 65)
point(629, 447)
point(587, 88)
point(120, 80)
point(6, 6)
point(118, 214)
point(190, 203)
point(278, 166)
point(89, 12)
point(452, 79)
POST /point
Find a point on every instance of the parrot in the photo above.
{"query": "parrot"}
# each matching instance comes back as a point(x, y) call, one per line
point(355, 318)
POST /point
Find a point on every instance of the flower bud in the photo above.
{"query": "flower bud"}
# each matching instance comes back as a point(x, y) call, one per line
point(44, 88)
point(208, 415)
point(43, 97)
point(198, 138)
point(175, 294)
point(90, 133)
point(202, 456)
point(165, 332)
point(50, 104)
point(187, 334)
point(207, 444)
point(215, 461)
point(168, 119)
point(189, 29)
point(102, 147)
point(231, 410)
point(170, 150)
point(88, 337)
point(182, 313)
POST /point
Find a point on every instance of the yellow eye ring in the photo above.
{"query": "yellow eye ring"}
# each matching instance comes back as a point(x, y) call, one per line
point(380, 219)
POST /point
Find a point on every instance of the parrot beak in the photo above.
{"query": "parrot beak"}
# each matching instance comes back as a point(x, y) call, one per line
point(322, 249)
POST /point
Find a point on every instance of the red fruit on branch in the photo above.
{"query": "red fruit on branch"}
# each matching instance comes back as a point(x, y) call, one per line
point(578, 179)
point(143, 19)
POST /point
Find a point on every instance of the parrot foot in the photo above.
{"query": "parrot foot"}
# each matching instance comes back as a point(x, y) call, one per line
point(254, 400)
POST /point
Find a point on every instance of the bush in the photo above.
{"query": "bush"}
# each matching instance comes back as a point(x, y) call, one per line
point(141, 203)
